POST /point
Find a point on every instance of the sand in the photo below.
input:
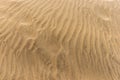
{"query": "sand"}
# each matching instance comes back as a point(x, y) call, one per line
point(59, 39)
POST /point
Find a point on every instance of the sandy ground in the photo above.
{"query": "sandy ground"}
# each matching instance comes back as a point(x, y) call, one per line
point(59, 39)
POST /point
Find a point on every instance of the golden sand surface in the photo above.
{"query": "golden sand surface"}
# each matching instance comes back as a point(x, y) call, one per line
point(59, 39)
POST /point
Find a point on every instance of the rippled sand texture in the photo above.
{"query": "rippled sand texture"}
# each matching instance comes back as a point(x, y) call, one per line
point(59, 39)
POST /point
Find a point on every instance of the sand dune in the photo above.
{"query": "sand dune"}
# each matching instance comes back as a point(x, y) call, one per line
point(59, 40)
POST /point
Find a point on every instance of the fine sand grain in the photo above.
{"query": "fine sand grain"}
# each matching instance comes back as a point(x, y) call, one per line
point(59, 39)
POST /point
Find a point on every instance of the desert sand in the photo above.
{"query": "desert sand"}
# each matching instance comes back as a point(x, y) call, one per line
point(59, 39)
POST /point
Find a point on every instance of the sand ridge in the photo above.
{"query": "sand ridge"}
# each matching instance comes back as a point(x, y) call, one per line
point(59, 40)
